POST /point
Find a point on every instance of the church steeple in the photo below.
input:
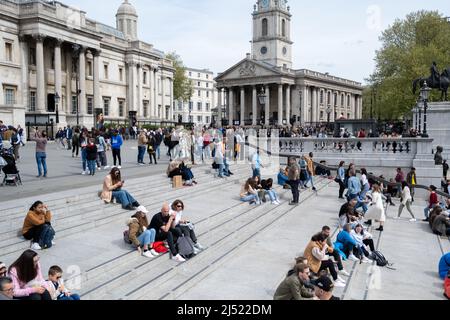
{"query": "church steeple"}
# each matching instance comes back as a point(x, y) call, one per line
point(272, 33)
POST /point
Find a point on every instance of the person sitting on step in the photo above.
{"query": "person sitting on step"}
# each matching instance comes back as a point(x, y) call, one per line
point(139, 235)
point(249, 193)
point(293, 287)
point(267, 186)
point(363, 239)
point(112, 189)
point(184, 225)
point(37, 227)
point(56, 286)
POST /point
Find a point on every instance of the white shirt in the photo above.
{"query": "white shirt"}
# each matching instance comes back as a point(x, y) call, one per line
point(364, 180)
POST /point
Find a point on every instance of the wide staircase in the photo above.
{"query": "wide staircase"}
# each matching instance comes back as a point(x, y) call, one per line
point(99, 265)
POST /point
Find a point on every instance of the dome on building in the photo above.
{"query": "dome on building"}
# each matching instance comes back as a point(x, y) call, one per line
point(126, 8)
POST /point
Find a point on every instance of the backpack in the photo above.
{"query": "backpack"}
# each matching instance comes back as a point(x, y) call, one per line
point(185, 247)
point(126, 237)
point(380, 259)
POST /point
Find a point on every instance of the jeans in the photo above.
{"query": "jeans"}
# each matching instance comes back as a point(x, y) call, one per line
point(310, 179)
point(72, 297)
point(250, 198)
point(116, 155)
point(123, 197)
point(75, 147)
point(272, 195)
point(84, 158)
point(224, 169)
point(141, 154)
point(257, 173)
point(92, 165)
point(294, 188)
point(147, 237)
point(101, 159)
point(361, 204)
point(43, 235)
point(364, 191)
point(328, 264)
point(187, 232)
point(158, 151)
point(170, 237)
point(41, 158)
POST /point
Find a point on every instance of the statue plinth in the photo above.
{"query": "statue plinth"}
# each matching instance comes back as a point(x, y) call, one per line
point(438, 123)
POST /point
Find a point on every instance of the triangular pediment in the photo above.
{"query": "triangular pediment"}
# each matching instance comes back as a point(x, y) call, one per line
point(248, 68)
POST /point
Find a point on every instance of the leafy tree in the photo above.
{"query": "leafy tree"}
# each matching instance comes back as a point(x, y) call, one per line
point(408, 49)
point(182, 87)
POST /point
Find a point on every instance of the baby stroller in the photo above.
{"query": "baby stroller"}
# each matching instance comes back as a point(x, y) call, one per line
point(9, 168)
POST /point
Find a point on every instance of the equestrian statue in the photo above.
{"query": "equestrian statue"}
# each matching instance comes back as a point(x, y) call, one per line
point(435, 81)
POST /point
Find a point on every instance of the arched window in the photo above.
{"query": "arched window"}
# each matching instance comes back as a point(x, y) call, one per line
point(329, 98)
point(321, 96)
point(283, 28)
point(335, 99)
point(348, 101)
point(265, 27)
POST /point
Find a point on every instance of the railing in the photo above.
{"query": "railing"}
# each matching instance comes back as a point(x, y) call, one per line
point(407, 147)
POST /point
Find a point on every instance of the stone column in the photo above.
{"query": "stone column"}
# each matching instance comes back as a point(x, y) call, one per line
point(82, 74)
point(314, 105)
point(254, 106)
point(171, 99)
point(69, 82)
point(58, 76)
point(40, 74)
point(267, 106)
point(231, 105)
point(131, 106)
point(280, 104)
point(163, 97)
point(242, 120)
point(305, 106)
point(152, 91)
point(288, 105)
point(97, 100)
point(219, 107)
point(139, 91)
point(25, 72)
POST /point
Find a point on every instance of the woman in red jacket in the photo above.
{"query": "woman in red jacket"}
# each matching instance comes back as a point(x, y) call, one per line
point(433, 202)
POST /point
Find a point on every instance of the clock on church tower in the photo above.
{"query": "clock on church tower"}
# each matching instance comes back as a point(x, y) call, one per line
point(272, 33)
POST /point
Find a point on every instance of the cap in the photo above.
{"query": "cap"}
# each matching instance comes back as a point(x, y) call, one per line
point(142, 209)
point(324, 283)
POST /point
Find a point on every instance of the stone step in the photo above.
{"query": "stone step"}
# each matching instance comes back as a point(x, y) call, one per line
point(125, 284)
point(82, 224)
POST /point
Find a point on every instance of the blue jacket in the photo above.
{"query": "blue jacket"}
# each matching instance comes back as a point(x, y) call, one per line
point(69, 133)
point(444, 266)
point(346, 239)
point(341, 173)
point(354, 185)
point(116, 141)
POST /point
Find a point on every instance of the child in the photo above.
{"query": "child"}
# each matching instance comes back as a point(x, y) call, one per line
point(56, 287)
point(91, 156)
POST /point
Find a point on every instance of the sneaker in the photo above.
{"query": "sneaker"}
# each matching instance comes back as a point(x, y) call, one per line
point(154, 253)
point(353, 258)
point(147, 254)
point(199, 246)
point(106, 167)
point(339, 284)
point(83, 173)
point(36, 246)
point(341, 280)
point(365, 260)
point(275, 203)
point(99, 168)
point(344, 273)
point(119, 167)
point(53, 243)
point(179, 258)
point(196, 251)
point(413, 220)
point(292, 203)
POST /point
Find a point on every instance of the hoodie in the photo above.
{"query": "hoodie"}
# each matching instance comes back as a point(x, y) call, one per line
point(116, 141)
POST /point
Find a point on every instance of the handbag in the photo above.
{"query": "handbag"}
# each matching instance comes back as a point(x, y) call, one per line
point(160, 247)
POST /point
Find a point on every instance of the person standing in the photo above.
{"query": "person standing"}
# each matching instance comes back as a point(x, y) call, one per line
point(151, 148)
point(159, 139)
point(294, 180)
point(311, 171)
point(256, 165)
point(341, 179)
point(116, 144)
point(399, 178)
point(101, 152)
point(76, 143)
point(69, 135)
point(83, 145)
point(142, 145)
point(91, 156)
point(411, 179)
point(376, 211)
point(445, 169)
point(15, 142)
point(406, 202)
point(41, 154)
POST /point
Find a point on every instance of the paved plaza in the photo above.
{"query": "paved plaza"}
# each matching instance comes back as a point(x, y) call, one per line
point(248, 249)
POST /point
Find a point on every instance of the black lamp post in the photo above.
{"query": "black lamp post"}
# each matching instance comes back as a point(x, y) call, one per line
point(424, 95)
point(57, 99)
point(76, 55)
point(262, 101)
point(300, 107)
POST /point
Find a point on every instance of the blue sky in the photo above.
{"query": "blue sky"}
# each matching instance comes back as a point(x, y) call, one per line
point(339, 37)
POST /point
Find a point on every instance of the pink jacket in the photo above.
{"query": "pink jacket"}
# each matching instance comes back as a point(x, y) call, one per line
point(25, 289)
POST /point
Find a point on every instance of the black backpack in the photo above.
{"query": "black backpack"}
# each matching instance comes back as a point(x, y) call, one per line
point(381, 260)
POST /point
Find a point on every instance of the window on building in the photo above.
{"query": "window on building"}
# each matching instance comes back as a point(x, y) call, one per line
point(145, 109)
point(144, 80)
point(207, 94)
point(74, 66)
point(191, 105)
point(207, 77)
point(321, 115)
point(129, 26)
point(199, 75)
point(265, 27)
point(121, 74)
point(321, 96)
point(208, 119)
point(190, 74)
point(74, 104)
point(106, 71)
point(335, 115)
point(32, 55)
point(199, 84)
point(199, 93)
point(191, 119)
point(106, 102)
point(89, 68)
point(159, 111)
point(342, 100)
point(207, 85)
point(199, 106)
point(348, 115)
point(32, 106)
point(329, 98)
point(199, 119)
point(207, 107)
point(121, 103)
point(8, 51)
point(348, 101)
point(90, 105)
point(180, 106)
point(10, 95)
point(283, 28)
point(335, 99)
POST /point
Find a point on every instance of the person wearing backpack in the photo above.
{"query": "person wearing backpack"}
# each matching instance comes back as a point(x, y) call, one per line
point(151, 148)
point(139, 235)
point(76, 143)
point(91, 156)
